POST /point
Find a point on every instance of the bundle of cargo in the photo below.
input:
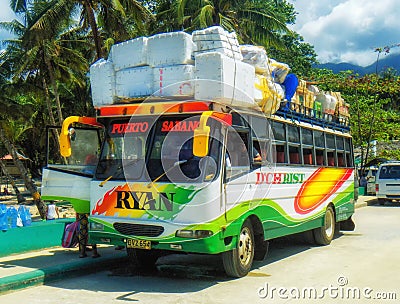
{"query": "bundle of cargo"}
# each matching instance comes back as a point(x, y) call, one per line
point(102, 82)
point(216, 39)
point(257, 57)
point(128, 54)
point(161, 64)
point(168, 49)
point(342, 109)
point(174, 64)
point(220, 73)
point(279, 70)
point(208, 65)
point(317, 106)
point(344, 114)
point(328, 104)
point(268, 94)
point(304, 99)
point(221, 78)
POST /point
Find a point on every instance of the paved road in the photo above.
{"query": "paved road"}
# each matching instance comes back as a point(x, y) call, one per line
point(358, 267)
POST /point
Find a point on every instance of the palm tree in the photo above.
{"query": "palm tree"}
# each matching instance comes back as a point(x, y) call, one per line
point(42, 58)
point(256, 22)
point(29, 184)
point(111, 14)
point(3, 168)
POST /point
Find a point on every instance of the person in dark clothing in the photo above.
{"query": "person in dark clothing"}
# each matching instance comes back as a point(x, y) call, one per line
point(83, 236)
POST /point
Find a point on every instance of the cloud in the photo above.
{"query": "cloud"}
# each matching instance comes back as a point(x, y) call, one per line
point(348, 30)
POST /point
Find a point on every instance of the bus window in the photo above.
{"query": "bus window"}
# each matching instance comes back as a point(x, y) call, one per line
point(319, 139)
point(307, 156)
point(339, 143)
point(237, 154)
point(330, 141)
point(340, 158)
point(123, 152)
point(85, 148)
point(306, 137)
point(293, 134)
point(294, 155)
point(319, 157)
point(349, 159)
point(280, 153)
point(348, 151)
point(279, 131)
point(331, 159)
point(259, 128)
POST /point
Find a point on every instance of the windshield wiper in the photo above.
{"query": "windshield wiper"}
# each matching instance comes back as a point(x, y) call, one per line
point(161, 175)
point(130, 163)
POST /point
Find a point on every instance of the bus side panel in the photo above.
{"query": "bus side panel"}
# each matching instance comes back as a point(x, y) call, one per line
point(289, 200)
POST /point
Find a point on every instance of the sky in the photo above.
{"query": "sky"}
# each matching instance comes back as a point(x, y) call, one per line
point(348, 30)
point(340, 30)
point(6, 14)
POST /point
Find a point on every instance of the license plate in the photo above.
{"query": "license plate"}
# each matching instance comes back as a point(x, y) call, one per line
point(140, 244)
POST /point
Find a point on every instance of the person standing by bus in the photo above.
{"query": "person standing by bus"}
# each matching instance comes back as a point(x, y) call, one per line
point(83, 235)
point(363, 183)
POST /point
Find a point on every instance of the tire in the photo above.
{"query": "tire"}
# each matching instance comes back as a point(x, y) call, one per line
point(381, 201)
point(325, 234)
point(238, 262)
point(143, 259)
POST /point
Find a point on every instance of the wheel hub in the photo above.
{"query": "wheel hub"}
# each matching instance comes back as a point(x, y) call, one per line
point(245, 246)
point(329, 222)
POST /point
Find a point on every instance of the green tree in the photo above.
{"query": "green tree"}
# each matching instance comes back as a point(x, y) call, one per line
point(256, 22)
point(95, 15)
point(372, 115)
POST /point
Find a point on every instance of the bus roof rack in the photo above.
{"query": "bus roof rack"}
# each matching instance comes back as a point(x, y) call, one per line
point(314, 117)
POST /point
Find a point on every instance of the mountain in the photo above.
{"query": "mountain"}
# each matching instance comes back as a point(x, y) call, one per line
point(385, 62)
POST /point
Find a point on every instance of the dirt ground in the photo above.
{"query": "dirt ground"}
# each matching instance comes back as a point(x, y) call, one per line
point(64, 208)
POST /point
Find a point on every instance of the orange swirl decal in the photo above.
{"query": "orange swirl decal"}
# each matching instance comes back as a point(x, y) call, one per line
point(319, 187)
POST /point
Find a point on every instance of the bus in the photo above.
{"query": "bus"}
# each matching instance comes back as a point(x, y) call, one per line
point(190, 176)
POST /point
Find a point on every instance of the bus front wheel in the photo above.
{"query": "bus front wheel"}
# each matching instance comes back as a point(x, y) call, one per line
point(237, 262)
point(324, 235)
point(142, 259)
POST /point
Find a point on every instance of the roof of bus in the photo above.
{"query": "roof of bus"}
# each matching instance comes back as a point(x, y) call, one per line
point(162, 105)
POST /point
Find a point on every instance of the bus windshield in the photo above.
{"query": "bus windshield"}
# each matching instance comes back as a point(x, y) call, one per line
point(142, 149)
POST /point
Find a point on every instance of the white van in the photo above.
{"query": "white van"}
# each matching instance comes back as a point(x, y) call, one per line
point(388, 182)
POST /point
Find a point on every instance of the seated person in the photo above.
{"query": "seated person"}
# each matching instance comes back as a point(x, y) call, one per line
point(256, 155)
point(5, 191)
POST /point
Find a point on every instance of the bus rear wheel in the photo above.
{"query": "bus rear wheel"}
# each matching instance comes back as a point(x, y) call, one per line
point(324, 235)
point(238, 262)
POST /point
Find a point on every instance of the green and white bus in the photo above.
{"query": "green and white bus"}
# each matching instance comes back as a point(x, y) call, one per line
point(196, 176)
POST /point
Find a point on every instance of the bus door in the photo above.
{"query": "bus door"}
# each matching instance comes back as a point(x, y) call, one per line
point(67, 177)
point(237, 189)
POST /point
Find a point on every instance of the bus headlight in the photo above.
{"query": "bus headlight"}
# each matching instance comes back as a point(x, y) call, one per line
point(96, 226)
point(197, 234)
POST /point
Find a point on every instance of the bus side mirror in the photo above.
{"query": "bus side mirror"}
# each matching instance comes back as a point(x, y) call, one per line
point(202, 132)
point(68, 134)
point(201, 135)
point(200, 141)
